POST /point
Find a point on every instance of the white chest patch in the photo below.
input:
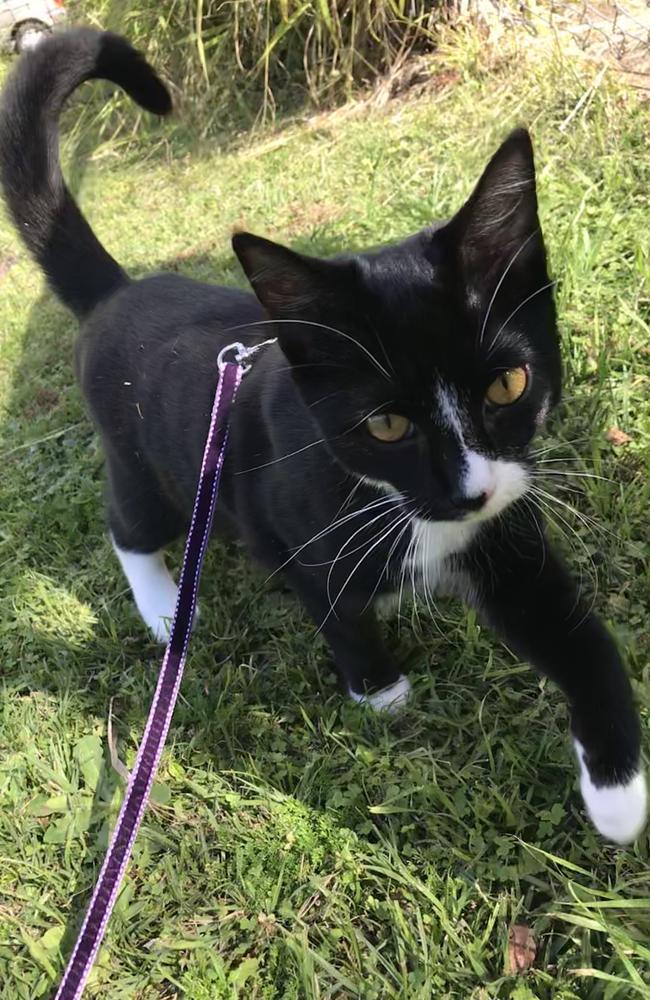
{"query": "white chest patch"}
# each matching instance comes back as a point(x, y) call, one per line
point(426, 561)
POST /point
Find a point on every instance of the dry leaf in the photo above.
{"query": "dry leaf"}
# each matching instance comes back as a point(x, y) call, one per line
point(617, 436)
point(522, 948)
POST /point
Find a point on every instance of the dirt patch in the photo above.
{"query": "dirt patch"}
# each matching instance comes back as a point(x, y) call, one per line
point(7, 262)
point(305, 218)
point(43, 401)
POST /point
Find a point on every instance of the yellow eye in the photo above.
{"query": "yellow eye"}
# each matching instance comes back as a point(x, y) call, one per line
point(389, 427)
point(508, 387)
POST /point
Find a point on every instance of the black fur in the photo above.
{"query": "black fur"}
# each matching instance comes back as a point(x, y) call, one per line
point(80, 271)
point(453, 305)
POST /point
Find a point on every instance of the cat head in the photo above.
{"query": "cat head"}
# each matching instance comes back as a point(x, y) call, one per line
point(428, 365)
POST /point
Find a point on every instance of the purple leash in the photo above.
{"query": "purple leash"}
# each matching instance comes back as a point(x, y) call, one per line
point(137, 793)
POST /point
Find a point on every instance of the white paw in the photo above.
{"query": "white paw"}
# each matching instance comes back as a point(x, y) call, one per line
point(157, 609)
point(618, 812)
point(389, 699)
point(160, 615)
point(153, 589)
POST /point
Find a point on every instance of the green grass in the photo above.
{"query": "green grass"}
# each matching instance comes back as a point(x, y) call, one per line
point(299, 847)
point(243, 61)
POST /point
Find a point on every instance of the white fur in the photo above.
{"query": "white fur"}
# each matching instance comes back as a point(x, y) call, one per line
point(432, 542)
point(618, 812)
point(450, 410)
point(152, 587)
point(389, 699)
point(502, 482)
point(386, 604)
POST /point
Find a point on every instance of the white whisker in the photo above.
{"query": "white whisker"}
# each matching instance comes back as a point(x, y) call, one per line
point(546, 509)
point(501, 280)
point(330, 562)
point(385, 534)
point(322, 326)
point(385, 569)
point(312, 444)
point(514, 312)
point(339, 554)
point(380, 501)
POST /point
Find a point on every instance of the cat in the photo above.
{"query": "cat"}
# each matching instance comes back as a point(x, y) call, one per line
point(382, 441)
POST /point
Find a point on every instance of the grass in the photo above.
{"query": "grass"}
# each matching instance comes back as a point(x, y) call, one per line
point(244, 60)
point(298, 847)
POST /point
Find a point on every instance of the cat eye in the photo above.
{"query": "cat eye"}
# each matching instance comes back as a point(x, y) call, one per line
point(508, 387)
point(389, 427)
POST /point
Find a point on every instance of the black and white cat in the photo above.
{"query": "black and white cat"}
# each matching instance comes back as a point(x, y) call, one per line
point(383, 438)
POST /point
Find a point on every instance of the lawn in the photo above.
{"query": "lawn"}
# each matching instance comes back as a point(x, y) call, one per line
point(296, 845)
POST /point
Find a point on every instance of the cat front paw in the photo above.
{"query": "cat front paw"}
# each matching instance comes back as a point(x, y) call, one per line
point(390, 699)
point(157, 610)
point(160, 619)
point(619, 812)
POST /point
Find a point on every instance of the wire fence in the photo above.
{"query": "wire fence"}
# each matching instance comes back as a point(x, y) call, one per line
point(615, 34)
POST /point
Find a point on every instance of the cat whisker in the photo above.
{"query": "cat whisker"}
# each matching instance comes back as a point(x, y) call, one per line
point(586, 520)
point(274, 461)
point(313, 444)
point(386, 568)
point(324, 399)
point(402, 575)
point(572, 472)
point(385, 534)
point(350, 497)
point(412, 567)
point(549, 284)
point(391, 498)
point(560, 486)
point(351, 538)
point(545, 508)
point(336, 523)
point(561, 444)
point(385, 353)
point(322, 326)
point(528, 503)
point(357, 548)
point(311, 364)
point(433, 609)
point(502, 279)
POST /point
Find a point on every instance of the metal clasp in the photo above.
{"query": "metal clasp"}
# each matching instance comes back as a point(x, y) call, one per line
point(241, 354)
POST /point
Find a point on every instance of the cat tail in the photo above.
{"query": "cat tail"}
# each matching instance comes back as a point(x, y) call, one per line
point(79, 269)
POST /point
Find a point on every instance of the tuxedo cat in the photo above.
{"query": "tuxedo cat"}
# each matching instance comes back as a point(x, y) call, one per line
point(381, 443)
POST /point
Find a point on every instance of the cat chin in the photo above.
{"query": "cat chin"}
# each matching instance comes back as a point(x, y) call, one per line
point(390, 699)
point(619, 812)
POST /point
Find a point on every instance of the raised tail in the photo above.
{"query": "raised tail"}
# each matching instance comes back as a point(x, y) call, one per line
point(77, 266)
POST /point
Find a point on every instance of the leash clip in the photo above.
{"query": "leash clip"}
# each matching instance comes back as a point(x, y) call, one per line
point(241, 354)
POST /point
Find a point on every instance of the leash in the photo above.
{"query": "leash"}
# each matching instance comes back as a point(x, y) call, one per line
point(128, 823)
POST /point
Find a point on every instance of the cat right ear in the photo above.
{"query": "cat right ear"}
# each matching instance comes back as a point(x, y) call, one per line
point(498, 224)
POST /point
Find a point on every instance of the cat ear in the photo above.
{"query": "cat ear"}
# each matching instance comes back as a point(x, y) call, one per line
point(285, 282)
point(499, 223)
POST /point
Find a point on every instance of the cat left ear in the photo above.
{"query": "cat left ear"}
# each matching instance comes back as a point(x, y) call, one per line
point(499, 222)
point(285, 282)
